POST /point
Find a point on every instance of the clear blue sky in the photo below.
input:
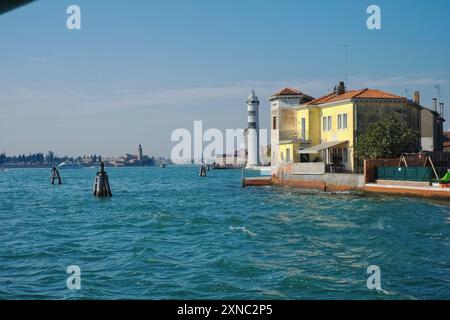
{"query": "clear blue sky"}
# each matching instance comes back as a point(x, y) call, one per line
point(139, 69)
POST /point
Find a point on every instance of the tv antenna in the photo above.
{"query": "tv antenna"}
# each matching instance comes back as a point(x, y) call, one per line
point(346, 46)
point(438, 91)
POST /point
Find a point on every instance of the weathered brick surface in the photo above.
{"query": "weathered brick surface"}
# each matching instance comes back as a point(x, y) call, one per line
point(257, 182)
point(314, 185)
point(410, 192)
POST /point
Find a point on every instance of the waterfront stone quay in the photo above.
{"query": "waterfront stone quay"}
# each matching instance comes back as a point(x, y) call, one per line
point(433, 191)
point(367, 182)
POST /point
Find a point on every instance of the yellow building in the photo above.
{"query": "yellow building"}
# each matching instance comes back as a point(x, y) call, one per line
point(327, 128)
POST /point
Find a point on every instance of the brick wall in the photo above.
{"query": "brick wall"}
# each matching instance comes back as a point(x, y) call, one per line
point(371, 165)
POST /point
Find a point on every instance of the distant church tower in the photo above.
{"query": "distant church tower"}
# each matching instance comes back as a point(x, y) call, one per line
point(253, 130)
point(140, 153)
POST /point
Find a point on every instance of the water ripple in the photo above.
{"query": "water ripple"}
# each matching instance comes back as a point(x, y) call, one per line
point(169, 234)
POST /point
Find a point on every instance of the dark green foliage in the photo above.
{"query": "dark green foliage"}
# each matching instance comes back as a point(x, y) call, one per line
point(388, 138)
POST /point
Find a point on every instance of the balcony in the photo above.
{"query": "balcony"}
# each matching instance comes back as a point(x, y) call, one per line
point(292, 135)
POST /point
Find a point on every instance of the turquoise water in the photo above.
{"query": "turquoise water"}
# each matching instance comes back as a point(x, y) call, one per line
point(167, 233)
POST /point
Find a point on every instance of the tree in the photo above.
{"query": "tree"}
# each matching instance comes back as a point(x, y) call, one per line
point(388, 138)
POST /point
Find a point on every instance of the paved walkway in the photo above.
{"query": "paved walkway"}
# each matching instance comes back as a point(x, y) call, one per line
point(431, 188)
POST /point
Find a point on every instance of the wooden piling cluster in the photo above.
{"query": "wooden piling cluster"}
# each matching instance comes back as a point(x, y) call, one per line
point(55, 176)
point(203, 170)
point(101, 184)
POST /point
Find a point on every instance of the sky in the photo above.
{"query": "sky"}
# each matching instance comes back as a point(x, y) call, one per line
point(137, 70)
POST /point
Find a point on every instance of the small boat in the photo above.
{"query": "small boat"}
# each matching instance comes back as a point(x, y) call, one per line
point(162, 165)
point(69, 165)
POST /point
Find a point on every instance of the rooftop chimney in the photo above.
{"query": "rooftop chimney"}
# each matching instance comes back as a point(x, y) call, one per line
point(341, 88)
point(417, 97)
point(441, 109)
point(435, 105)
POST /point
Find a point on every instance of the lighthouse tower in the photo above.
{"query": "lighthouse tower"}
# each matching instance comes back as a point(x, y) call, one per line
point(140, 153)
point(253, 130)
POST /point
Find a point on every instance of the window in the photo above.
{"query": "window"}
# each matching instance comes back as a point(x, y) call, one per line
point(345, 155)
point(288, 155)
point(252, 113)
point(252, 125)
point(326, 123)
point(303, 128)
point(274, 123)
point(342, 121)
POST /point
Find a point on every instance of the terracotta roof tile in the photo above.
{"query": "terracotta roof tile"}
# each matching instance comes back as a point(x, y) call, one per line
point(355, 94)
point(287, 92)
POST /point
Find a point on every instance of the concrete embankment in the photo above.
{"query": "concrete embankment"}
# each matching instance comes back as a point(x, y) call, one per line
point(349, 182)
point(324, 182)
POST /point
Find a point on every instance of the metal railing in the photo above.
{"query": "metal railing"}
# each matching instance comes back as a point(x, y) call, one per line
point(340, 168)
point(293, 135)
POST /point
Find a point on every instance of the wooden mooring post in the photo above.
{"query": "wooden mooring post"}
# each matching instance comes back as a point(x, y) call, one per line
point(101, 184)
point(202, 172)
point(55, 176)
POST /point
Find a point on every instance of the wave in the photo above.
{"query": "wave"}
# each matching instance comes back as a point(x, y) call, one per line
point(242, 229)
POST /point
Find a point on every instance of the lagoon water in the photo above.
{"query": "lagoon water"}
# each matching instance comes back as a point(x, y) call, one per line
point(169, 234)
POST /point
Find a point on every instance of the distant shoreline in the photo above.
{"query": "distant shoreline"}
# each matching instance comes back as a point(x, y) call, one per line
point(49, 166)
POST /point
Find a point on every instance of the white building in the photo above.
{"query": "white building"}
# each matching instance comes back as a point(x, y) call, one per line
point(284, 119)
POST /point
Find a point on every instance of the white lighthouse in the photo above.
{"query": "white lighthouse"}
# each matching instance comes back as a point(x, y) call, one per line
point(253, 130)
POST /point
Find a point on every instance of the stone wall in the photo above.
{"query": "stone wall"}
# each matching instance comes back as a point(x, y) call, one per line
point(309, 168)
point(324, 182)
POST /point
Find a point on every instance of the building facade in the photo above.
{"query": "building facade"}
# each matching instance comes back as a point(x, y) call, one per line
point(446, 147)
point(324, 131)
point(432, 128)
point(284, 136)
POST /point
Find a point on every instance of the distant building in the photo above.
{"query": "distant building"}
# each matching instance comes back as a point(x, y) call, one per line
point(432, 126)
point(446, 144)
point(138, 159)
point(236, 160)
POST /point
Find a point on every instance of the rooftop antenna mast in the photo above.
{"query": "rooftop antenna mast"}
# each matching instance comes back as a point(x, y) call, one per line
point(346, 46)
point(438, 91)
